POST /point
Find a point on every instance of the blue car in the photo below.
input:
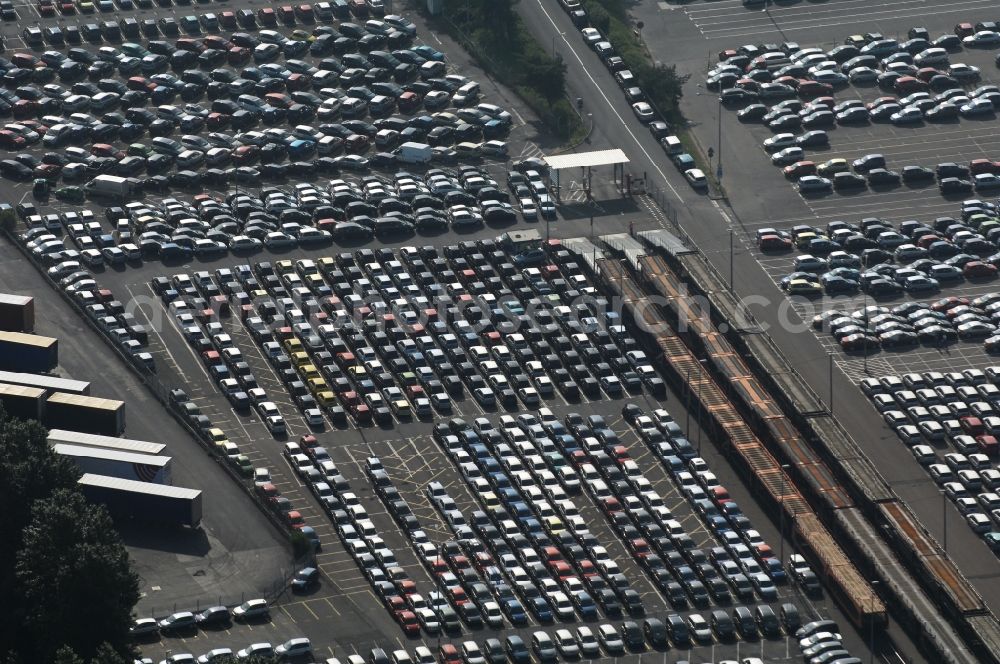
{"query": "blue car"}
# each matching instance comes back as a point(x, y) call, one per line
point(427, 52)
point(541, 609)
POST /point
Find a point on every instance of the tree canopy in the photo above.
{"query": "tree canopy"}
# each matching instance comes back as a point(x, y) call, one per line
point(65, 576)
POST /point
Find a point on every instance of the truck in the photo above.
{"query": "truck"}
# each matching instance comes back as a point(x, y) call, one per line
point(28, 352)
point(414, 153)
point(57, 436)
point(111, 187)
point(82, 413)
point(142, 501)
point(126, 465)
point(17, 313)
point(50, 383)
point(24, 403)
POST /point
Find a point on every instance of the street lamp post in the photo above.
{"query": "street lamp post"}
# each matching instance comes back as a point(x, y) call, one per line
point(830, 356)
point(718, 170)
point(731, 286)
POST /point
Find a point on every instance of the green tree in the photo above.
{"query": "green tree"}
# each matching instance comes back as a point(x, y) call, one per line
point(546, 75)
point(29, 471)
point(74, 577)
point(65, 655)
point(106, 654)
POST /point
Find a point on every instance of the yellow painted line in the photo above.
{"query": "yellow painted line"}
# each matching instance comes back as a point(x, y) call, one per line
point(325, 599)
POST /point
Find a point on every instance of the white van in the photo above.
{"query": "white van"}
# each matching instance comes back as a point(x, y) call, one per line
point(672, 145)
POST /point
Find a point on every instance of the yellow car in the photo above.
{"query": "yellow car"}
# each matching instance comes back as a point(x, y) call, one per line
point(401, 407)
point(217, 436)
point(804, 287)
point(317, 385)
point(803, 239)
point(293, 345)
point(833, 166)
point(309, 371)
point(554, 525)
point(284, 266)
point(326, 398)
point(326, 263)
point(300, 359)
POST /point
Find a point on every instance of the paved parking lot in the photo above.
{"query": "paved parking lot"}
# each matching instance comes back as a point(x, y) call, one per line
point(306, 616)
point(729, 19)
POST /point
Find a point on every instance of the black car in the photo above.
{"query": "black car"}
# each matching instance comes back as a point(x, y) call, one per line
point(881, 176)
point(955, 186)
point(849, 181)
point(916, 174)
point(215, 616)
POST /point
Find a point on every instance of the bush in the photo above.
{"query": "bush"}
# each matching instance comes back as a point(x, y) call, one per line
point(494, 34)
point(301, 546)
point(661, 83)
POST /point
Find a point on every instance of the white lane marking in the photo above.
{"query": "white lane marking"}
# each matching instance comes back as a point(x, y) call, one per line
point(600, 91)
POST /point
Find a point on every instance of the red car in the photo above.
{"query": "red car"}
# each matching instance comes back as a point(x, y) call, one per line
point(800, 168)
point(972, 425)
point(408, 621)
point(988, 445)
point(267, 16)
point(813, 89)
point(294, 520)
point(948, 303)
point(447, 653)
point(978, 269)
point(964, 29)
point(287, 14)
point(909, 84)
point(977, 166)
point(774, 243)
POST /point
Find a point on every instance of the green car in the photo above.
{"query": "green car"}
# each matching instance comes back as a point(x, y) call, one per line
point(139, 150)
point(134, 50)
point(191, 25)
point(242, 463)
point(69, 194)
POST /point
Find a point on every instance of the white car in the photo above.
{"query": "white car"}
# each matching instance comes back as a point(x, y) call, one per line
point(696, 177)
point(779, 141)
point(297, 647)
point(814, 183)
point(643, 111)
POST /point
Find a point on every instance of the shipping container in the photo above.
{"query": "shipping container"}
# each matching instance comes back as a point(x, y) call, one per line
point(126, 465)
point(88, 414)
point(17, 313)
point(142, 501)
point(24, 403)
point(28, 352)
point(50, 383)
point(57, 436)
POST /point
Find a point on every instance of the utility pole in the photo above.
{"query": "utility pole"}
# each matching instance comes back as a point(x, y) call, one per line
point(781, 516)
point(701, 379)
point(944, 518)
point(871, 626)
point(718, 170)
